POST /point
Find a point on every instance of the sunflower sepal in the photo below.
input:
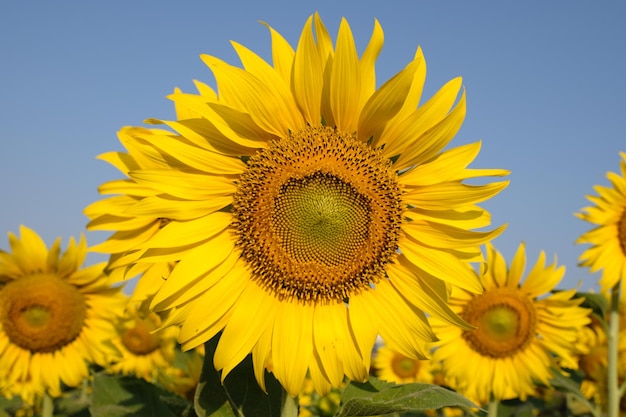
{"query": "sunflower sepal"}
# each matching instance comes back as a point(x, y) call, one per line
point(376, 397)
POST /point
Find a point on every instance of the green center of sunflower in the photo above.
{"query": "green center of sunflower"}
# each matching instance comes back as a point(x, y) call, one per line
point(318, 216)
point(404, 367)
point(139, 339)
point(42, 312)
point(505, 322)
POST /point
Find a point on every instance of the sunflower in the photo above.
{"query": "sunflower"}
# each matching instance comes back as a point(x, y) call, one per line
point(608, 239)
point(144, 351)
point(55, 318)
point(309, 209)
point(184, 377)
point(594, 362)
point(395, 367)
point(521, 332)
point(312, 404)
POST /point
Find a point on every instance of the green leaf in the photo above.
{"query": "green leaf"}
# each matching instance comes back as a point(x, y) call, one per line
point(72, 403)
point(567, 385)
point(9, 407)
point(121, 396)
point(240, 395)
point(597, 302)
point(376, 397)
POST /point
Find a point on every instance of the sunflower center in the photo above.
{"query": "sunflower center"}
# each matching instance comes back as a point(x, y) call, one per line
point(42, 312)
point(317, 216)
point(504, 320)
point(404, 367)
point(320, 218)
point(139, 340)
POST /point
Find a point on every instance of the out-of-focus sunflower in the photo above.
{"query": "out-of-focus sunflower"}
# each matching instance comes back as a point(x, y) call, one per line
point(594, 363)
point(145, 352)
point(312, 404)
point(184, 376)
point(56, 318)
point(522, 330)
point(289, 194)
point(608, 239)
point(392, 366)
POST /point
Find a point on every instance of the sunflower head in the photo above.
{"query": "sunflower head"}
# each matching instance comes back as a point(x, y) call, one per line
point(519, 334)
point(395, 367)
point(607, 240)
point(55, 317)
point(146, 350)
point(302, 203)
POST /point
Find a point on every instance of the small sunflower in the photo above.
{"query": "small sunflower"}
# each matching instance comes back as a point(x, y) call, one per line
point(312, 404)
point(608, 239)
point(395, 367)
point(55, 318)
point(521, 332)
point(183, 378)
point(309, 209)
point(145, 352)
point(594, 362)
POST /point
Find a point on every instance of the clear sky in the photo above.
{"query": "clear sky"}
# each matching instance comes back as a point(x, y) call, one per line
point(545, 80)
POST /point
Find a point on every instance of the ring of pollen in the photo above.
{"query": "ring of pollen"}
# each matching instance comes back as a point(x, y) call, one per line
point(505, 322)
point(318, 216)
point(621, 232)
point(41, 313)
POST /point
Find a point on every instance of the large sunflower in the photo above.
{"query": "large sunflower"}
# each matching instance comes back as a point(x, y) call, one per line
point(55, 318)
point(608, 239)
point(288, 196)
point(521, 332)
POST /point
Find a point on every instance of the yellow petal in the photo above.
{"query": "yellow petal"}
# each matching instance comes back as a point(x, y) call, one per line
point(345, 81)
point(308, 76)
point(282, 54)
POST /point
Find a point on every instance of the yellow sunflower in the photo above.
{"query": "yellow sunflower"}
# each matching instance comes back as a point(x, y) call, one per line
point(522, 330)
point(184, 377)
point(289, 194)
point(55, 318)
point(395, 367)
point(608, 239)
point(144, 351)
point(312, 404)
point(594, 362)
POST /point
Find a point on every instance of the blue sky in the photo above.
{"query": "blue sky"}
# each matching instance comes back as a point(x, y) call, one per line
point(545, 84)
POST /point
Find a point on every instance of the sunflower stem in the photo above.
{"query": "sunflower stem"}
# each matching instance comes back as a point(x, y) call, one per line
point(84, 391)
point(492, 411)
point(289, 406)
point(47, 406)
point(613, 341)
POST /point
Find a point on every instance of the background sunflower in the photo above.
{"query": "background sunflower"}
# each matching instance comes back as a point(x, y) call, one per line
point(56, 318)
point(523, 331)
